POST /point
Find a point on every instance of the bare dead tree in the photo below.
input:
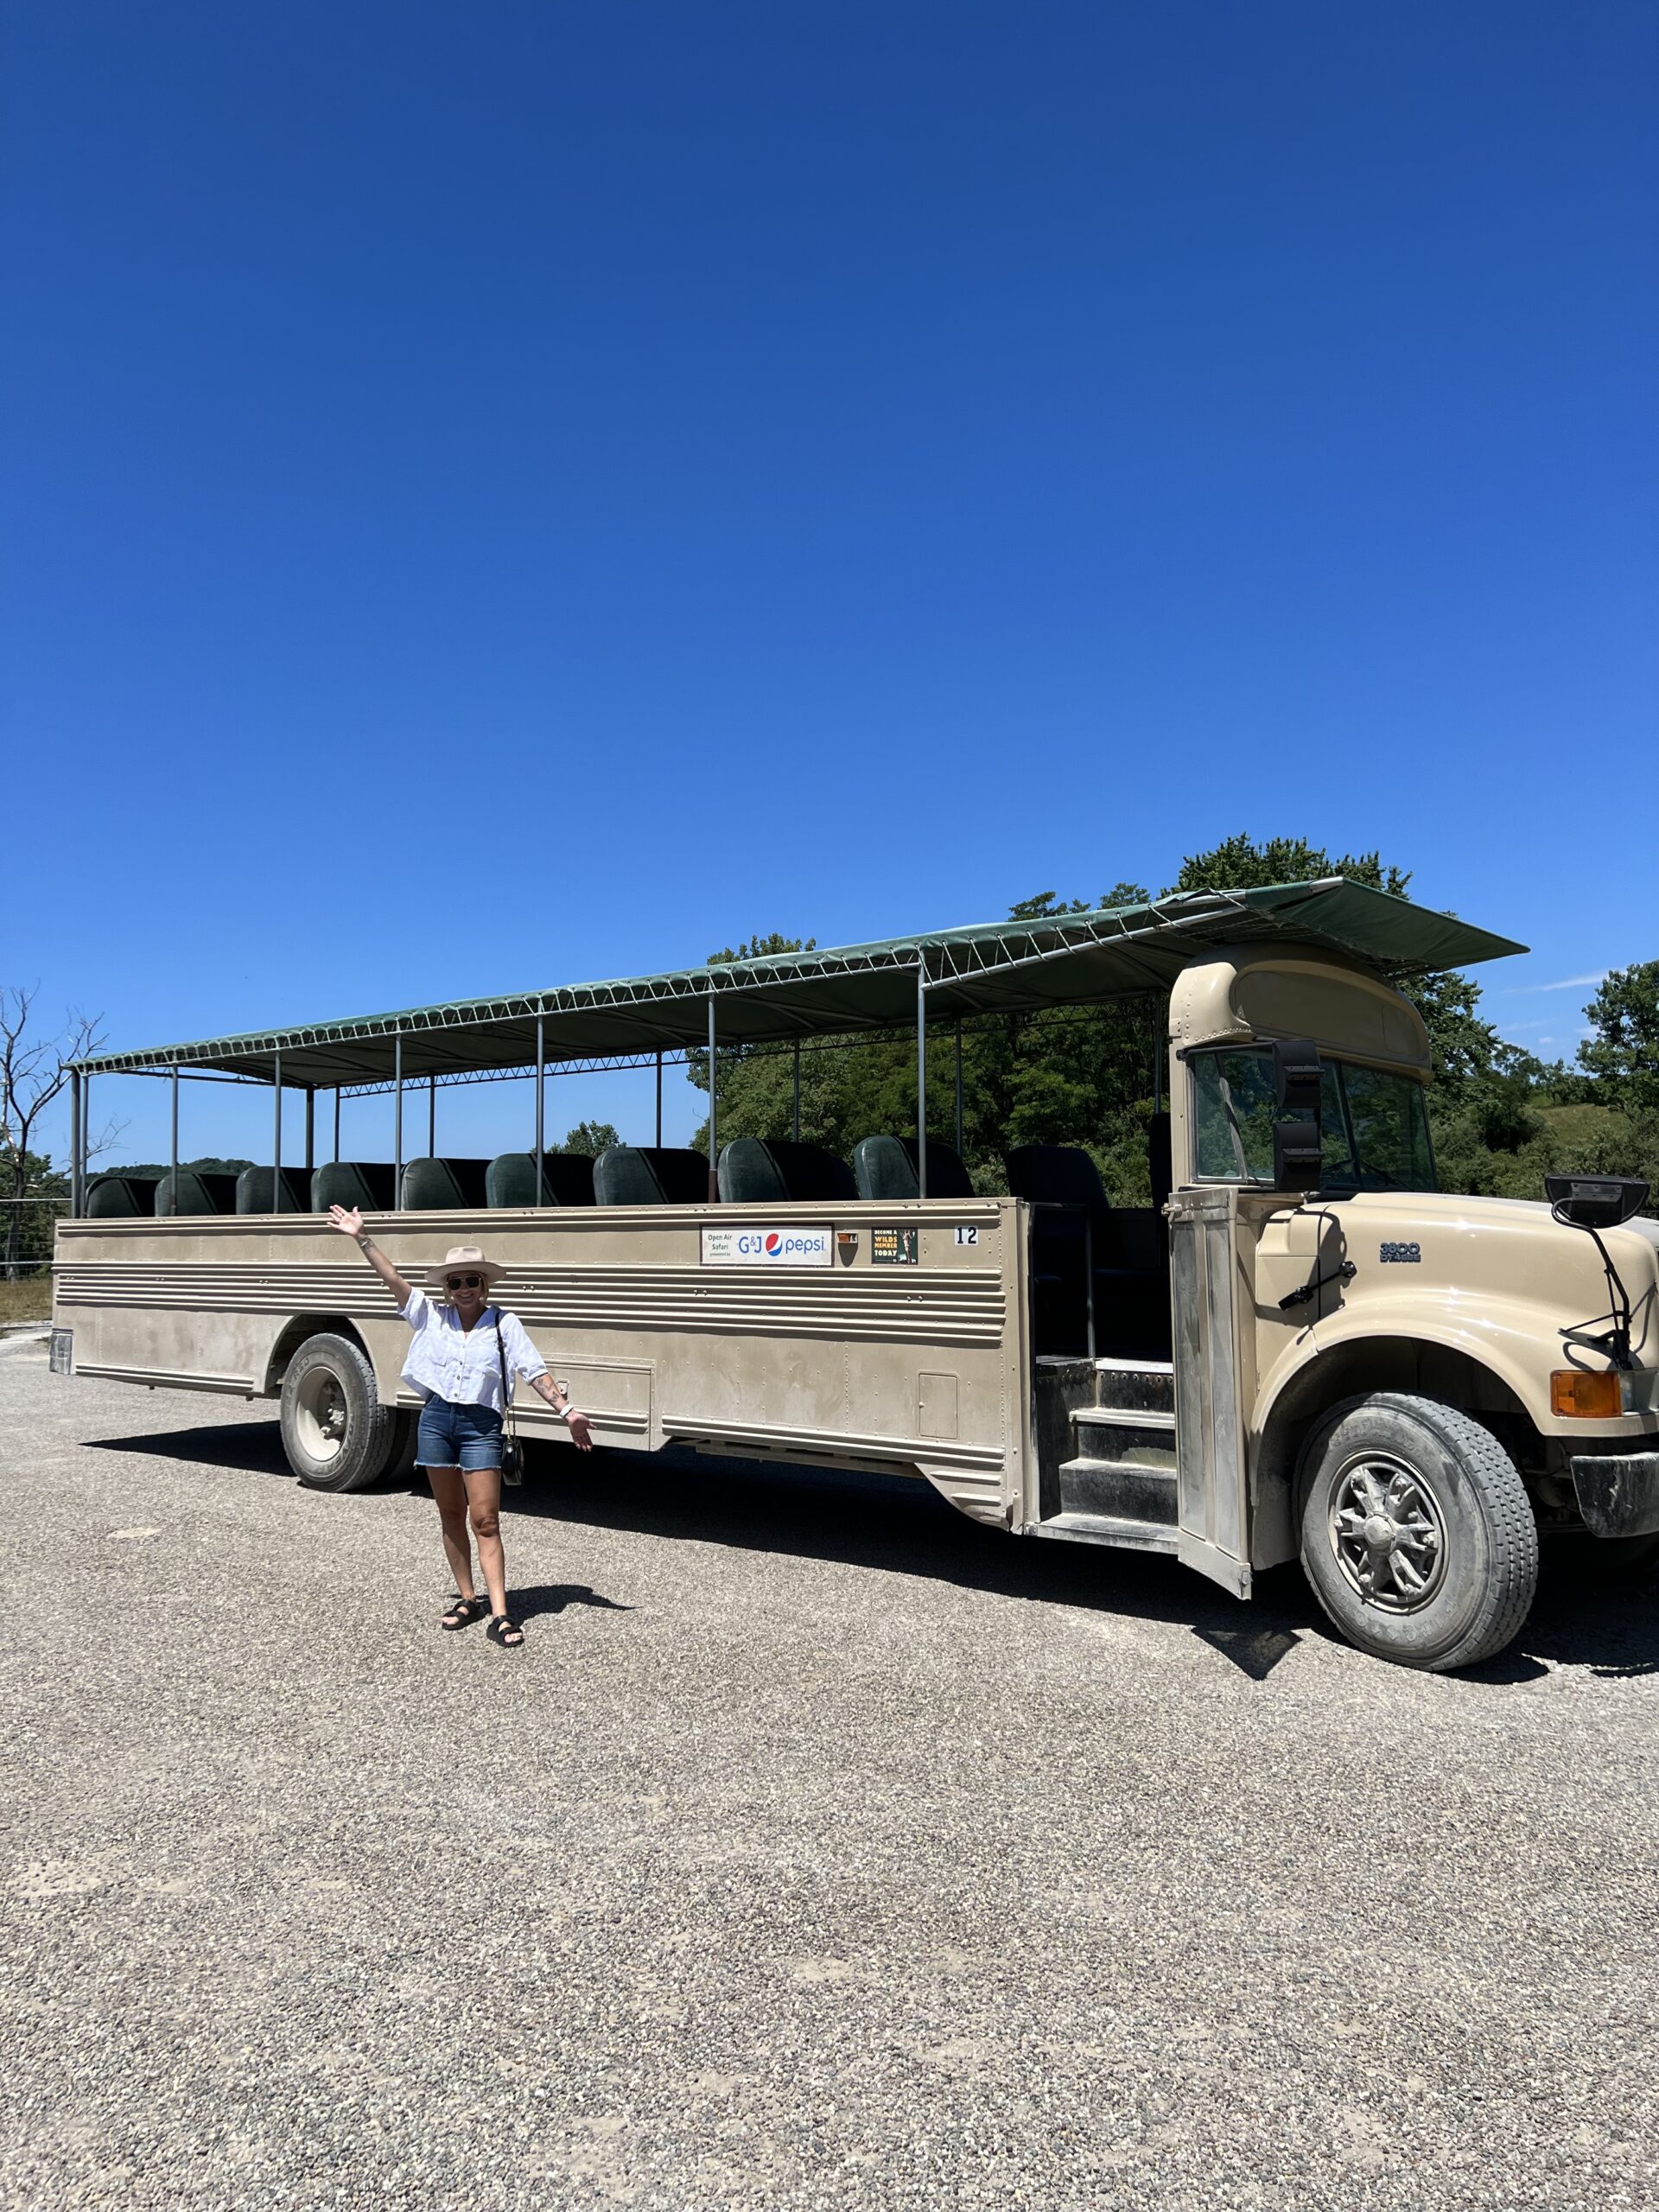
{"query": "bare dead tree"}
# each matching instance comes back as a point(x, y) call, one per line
point(33, 1073)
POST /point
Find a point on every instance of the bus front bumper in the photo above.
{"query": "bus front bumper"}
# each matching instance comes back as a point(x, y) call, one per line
point(1619, 1495)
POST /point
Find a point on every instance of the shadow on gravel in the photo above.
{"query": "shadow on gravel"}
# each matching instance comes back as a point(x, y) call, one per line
point(540, 1597)
point(251, 1448)
point(1585, 1616)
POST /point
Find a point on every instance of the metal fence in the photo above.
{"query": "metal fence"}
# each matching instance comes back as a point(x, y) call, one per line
point(26, 1212)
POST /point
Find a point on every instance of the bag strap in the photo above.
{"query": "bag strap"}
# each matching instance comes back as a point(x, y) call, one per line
point(501, 1354)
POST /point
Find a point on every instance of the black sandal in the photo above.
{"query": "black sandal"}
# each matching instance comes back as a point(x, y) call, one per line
point(464, 1612)
point(506, 1632)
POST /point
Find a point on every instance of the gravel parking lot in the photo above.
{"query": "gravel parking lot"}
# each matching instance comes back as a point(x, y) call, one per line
point(819, 1849)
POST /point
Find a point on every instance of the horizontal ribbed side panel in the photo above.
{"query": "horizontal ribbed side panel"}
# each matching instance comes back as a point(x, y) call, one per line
point(917, 1306)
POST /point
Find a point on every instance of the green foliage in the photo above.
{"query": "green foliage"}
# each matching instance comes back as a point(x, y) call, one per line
point(1624, 1053)
point(762, 948)
point(1502, 1120)
point(589, 1138)
point(31, 1175)
point(1240, 864)
point(150, 1171)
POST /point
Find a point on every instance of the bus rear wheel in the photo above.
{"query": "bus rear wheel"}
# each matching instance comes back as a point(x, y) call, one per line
point(336, 1434)
point(1418, 1536)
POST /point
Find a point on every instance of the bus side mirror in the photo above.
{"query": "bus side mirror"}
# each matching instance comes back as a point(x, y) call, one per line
point(1298, 1146)
point(1595, 1201)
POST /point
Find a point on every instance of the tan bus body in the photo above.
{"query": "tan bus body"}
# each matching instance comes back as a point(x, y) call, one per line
point(1364, 1380)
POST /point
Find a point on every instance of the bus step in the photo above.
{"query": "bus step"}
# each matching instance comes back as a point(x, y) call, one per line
point(1135, 1385)
point(1113, 1432)
point(1120, 1490)
point(1101, 1528)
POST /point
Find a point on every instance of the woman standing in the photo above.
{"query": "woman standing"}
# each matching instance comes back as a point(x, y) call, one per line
point(455, 1361)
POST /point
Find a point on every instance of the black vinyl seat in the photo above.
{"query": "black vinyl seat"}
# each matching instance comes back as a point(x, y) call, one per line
point(192, 1191)
point(293, 1196)
point(566, 1180)
point(1131, 1294)
point(651, 1175)
point(368, 1184)
point(886, 1168)
point(120, 1198)
point(443, 1185)
point(761, 1171)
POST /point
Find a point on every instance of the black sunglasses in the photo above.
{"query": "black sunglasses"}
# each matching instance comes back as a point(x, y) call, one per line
point(463, 1282)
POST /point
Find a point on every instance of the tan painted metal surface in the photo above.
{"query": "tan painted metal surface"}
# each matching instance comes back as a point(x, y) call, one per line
point(916, 1368)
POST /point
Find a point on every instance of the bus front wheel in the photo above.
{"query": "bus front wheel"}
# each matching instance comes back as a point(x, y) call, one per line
point(335, 1431)
point(1418, 1535)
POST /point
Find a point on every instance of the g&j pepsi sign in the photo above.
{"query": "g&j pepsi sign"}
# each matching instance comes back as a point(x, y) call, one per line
point(761, 1247)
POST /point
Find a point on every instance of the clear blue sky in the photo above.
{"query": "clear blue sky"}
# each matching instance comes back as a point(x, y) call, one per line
point(505, 494)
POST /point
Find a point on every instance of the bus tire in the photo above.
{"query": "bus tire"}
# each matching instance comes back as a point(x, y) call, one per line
point(336, 1434)
point(1418, 1536)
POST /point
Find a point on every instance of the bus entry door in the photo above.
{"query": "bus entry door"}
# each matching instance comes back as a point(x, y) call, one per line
point(1211, 1298)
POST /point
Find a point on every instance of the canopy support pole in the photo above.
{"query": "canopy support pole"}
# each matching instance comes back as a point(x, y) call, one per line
point(310, 1129)
point(86, 1132)
point(798, 1090)
point(397, 1121)
point(276, 1134)
point(541, 1099)
point(336, 1121)
point(432, 1117)
point(1157, 1061)
point(174, 1157)
point(659, 1102)
point(921, 1079)
point(713, 1154)
point(958, 1086)
point(75, 1192)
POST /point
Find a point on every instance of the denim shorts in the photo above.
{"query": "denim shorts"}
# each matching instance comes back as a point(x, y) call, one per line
point(458, 1436)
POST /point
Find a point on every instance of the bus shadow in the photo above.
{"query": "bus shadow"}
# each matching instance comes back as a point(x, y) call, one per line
point(892, 1524)
point(250, 1448)
point(899, 1526)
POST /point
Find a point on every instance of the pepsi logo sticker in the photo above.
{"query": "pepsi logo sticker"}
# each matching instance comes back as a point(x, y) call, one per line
point(765, 1247)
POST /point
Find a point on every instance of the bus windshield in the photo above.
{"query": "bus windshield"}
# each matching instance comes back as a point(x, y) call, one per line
point(1375, 1124)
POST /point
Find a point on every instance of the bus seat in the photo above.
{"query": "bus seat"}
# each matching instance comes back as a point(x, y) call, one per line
point(1131, 1298)
point(369, 1185)
point(120, 1198)
point(566, 1180)
point(650, 1175)
point(757, 1171)
point(196, 1193)
point(885, 1167)
point(442, 1185)
point(253, 1191)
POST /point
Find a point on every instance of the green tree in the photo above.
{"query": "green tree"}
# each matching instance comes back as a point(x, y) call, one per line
point(1240, 864)
point(589, 1138)
point(1623, 1054)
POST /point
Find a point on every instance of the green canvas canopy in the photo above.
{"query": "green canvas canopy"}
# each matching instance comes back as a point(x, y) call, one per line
point(988, 966)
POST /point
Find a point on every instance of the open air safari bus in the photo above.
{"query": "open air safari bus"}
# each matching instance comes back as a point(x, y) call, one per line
point(1299, 1347)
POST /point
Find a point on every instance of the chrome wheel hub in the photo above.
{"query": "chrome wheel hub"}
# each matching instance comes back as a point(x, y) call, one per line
point(1388, 1533)
point(321, 1414)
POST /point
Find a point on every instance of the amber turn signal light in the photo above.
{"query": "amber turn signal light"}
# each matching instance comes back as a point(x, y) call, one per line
point(1578, 1395)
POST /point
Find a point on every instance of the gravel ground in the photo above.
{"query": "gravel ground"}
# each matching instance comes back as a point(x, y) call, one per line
point(819, 1849)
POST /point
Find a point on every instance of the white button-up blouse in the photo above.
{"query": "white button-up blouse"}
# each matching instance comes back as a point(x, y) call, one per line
point(446, 1360)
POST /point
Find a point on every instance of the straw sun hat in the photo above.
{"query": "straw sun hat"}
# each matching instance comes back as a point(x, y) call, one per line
point(463, 1259)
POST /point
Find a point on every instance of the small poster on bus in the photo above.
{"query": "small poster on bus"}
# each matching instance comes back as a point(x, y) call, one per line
point(894, 1247)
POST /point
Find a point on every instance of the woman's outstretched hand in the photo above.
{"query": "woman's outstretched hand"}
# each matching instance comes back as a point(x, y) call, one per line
point(347, 1219)
point(582, 1430)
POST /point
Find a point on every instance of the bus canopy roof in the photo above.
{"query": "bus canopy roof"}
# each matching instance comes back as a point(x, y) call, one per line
point(988, 966)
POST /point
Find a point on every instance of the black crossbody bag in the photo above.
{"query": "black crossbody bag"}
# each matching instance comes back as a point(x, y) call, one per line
point(512, 1456)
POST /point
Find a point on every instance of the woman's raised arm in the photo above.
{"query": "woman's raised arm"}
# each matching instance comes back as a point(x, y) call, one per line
point(349, 1222)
